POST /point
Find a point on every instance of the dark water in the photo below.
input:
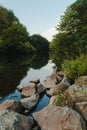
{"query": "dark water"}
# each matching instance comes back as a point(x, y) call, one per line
point(19, 71)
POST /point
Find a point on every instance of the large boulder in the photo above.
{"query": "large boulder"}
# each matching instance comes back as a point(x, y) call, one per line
point(10, 120)
point(59, 118)
point(81, 81)
point(31, 102)
point(11, 105)
point(63, 85)
point(28, 90)
point(82, 109)
point(77, 93)
point(51, 81)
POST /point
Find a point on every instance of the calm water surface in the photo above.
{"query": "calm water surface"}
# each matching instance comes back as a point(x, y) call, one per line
point(20, 71)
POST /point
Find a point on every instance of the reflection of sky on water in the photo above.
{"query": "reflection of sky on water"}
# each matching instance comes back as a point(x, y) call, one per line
point(38, 73)
point(33, 74)
point(49, 66)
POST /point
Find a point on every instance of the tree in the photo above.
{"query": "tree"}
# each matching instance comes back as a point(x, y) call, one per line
point(39, 42)
point(15, 39)
point(73, 29)
point(7, 17)
point(3, 19)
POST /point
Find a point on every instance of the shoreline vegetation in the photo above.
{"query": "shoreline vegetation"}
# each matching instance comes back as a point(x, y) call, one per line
point(67, 109)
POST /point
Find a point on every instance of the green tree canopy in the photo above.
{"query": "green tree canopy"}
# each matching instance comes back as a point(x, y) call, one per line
point(72, 30)
point(14, 37)
point(39, 42)
point(7, 17)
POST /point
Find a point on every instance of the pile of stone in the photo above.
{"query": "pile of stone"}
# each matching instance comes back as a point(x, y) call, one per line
point(13, 114)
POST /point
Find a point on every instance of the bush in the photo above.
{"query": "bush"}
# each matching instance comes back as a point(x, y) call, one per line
point(75, 68)
point(62, 100)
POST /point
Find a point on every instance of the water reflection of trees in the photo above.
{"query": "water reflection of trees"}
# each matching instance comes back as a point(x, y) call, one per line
point(12, 70)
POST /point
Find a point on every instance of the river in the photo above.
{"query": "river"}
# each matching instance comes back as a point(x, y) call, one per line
point(19, 71)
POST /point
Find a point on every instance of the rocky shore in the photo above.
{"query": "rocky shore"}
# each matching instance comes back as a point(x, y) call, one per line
point(14, 114)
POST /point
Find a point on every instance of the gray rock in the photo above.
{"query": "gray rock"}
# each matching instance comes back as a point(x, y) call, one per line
point(11, 105)
point(50, 81)
point(31, 102)
point(64, 84)
point(52, 100)
point(82, 108)
point(52, 91)
point(59, 118)
point(81, 81)
point(10, 120)
point(36, 128)
point(40, 88)
point(28, 90)
point(77, 93)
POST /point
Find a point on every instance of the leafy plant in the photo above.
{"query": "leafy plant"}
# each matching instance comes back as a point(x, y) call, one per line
point(76, 68)
point(61, 99)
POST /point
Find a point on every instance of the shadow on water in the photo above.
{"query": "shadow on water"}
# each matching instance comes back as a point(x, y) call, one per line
point(12, 70)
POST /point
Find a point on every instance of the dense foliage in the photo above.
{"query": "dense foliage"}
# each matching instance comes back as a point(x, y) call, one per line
point(71, 39)
point(14, 38)
point(13, 35)
point(76, 68)
point(72, 29)
point(39, 42)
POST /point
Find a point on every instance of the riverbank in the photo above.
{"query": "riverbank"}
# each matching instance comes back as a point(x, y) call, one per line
point(55, 116)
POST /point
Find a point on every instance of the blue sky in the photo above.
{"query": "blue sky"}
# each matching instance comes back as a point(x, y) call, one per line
point(39, 16)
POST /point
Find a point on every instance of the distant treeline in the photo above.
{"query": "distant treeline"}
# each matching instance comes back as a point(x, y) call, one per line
point(14, 37)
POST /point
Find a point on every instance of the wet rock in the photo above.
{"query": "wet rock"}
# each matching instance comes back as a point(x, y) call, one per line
point(11, 105)
point(31, 102)
point(28, 90)
point(10, 120)
point(59, 118)
point(82, 108)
